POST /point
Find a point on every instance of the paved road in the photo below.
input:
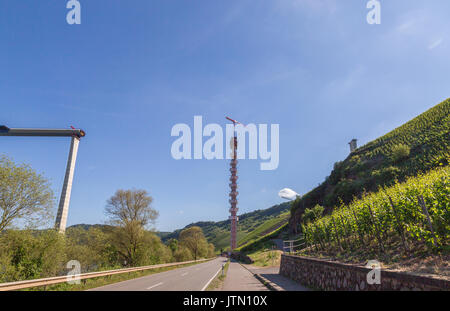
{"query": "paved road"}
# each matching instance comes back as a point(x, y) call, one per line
point(240, 279)
point(192, 278)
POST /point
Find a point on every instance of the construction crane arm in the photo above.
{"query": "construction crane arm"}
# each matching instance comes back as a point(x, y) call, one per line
point(6, 131)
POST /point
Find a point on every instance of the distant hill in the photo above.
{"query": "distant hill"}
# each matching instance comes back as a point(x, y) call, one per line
point(251, 226)
point(87, 226)
point(417, 146)
point(218, 233)
point(108, 227)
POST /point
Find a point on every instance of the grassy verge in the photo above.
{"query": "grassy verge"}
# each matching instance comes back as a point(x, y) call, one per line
point(266, 258)
point(217, 283)
point(104, 280)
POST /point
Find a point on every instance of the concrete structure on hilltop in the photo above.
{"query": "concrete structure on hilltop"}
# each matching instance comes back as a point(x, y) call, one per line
point(353, 144)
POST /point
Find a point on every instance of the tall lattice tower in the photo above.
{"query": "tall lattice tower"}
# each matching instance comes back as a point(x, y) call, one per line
point(233, 189)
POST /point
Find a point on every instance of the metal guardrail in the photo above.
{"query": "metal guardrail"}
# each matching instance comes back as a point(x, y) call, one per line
point(65, 278)
point(291, 246)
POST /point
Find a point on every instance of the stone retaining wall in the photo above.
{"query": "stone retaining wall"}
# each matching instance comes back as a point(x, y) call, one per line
point(325, 275)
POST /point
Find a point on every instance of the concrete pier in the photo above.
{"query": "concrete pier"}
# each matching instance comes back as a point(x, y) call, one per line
point(63, 208)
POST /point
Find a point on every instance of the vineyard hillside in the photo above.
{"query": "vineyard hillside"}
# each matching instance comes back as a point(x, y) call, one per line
point(400, 224)
point(417, 146)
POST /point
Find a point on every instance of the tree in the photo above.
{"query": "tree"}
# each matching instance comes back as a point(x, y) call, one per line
point(27, 254)
point(182, 254)
point(211, 250)
point(91, 247)
point(173, 245)
point(195, 241)
point(25, 196)
point(153, 251)
point(130, 212)
point(311, 214)
point(131, 206)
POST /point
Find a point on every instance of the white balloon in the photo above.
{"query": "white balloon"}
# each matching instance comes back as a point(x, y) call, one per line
point(288, 194)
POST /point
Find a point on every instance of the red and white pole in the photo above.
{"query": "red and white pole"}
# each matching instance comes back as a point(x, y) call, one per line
point(233, 192)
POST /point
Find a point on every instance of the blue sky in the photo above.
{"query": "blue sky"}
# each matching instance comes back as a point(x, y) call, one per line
point(133, 69)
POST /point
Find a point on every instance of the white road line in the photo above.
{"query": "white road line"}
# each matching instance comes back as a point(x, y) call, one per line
point(184, 273)
point(206, 285)
point(154, 285)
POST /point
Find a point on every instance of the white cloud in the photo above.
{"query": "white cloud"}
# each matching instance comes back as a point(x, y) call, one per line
point(435, 43)
point(288, 194)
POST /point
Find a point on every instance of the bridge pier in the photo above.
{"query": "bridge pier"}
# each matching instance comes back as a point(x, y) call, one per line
point(63, 208)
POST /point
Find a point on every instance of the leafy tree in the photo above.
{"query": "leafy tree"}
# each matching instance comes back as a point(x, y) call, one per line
point(153, 251)
point(195, 241)
point(311, 214)
point(131, 212)
point(173, 245)
point(91, 248)
point(25, 196)
point(29, 255)
point(131, 206)
point(182, 254)
point(211, 250)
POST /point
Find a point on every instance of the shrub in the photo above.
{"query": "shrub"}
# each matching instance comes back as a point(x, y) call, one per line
point(345, 190)
point(182, 254)
point(400, 152)
point(311, 214)
point(387, 175)
point(29, 255)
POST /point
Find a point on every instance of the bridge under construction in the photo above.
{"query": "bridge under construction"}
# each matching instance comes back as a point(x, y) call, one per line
point(76, 135)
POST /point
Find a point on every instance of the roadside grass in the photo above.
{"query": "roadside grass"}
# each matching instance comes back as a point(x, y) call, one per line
point(104, 280)
point(266, 257)
point(217, 283)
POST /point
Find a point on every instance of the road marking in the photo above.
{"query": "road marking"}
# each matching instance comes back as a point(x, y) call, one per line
point(184, 273)
point(154, 285)
point(206, 285)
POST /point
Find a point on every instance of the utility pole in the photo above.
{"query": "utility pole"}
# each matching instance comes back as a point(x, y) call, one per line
point(233, 187)
point(76, 134)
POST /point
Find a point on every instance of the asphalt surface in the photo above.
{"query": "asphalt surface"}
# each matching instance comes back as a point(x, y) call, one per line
point(272, 274)
point(192, 278)
point(240, 279)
